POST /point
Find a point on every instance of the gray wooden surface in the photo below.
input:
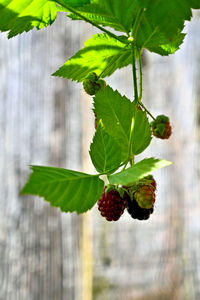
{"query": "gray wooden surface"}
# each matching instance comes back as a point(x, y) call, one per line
point(46, 255)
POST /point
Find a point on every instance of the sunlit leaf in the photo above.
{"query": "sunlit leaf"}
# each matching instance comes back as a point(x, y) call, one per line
point(69, 190)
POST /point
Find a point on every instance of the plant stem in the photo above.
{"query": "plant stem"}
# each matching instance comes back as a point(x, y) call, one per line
point(61, 2)
point(125, 166)
point(134, 72)
point(140, 73)
point(137, 22)
point(147, 111)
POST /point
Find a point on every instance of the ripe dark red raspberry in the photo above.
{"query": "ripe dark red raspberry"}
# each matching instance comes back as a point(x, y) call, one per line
point(111, 205)
point(145, 196)
point(161, 127)
point(137, 212)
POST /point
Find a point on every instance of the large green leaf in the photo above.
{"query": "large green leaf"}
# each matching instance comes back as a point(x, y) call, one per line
point(116, 14)
point(160, 44)
point(99, 52)
point(17, 16)
point(116, 113)
point(159, 28)
point(168, 16)
point(138, 171)
point(69, 190)
point(141, 134)
point(105, 152)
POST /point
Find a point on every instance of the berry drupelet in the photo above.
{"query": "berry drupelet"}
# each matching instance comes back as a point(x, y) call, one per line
point(111, 205)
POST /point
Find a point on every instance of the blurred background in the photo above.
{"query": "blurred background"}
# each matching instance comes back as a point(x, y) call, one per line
point(44, 120)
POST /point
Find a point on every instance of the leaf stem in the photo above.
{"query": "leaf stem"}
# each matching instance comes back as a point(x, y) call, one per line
point(137, 22)
point(147, 111)
point(140, 73)
point(61, 2)
point(125, 166)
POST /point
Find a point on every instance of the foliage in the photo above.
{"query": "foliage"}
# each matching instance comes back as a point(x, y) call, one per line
point(123, 129)
point(67, 189)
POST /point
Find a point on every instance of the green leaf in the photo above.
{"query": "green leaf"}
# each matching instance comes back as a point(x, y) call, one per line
point(162, 23)
point(116, 113)
point(17, 16)
point(99, 52)
point(159, 28)
point(168, 16)
point(141, 136)
point(138, 171)
point(163, 46)
point(110, 13)
point(105, 152)
point(69, 190)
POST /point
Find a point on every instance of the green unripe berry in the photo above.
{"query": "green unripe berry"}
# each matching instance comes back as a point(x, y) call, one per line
point(161, 127)
point(91, 85)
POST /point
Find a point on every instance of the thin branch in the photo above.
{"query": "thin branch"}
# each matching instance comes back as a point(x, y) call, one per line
point(147, 111)
point(134, 72)
point(140, 74)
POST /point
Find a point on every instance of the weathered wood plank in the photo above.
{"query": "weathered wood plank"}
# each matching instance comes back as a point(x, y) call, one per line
point(40, 124)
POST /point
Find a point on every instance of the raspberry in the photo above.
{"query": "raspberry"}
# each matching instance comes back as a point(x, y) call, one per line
point(145, 196)
point(111, 205)
point(161, 127)
point(92, 85)
point(152, 181)
point(137, 212)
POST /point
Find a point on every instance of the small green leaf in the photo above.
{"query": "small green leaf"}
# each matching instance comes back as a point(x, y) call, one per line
point(99, 53)
point(105, 152)
point(141, 136)
point(116, 113)
point(138, 171)
point(69, 190)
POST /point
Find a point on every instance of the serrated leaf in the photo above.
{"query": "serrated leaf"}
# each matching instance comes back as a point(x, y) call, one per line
point(161, 24)
point(138, 171)
point(99, 52)
point(168, 16)
point(69, 190)
point(116, 113)
point(105, 153)
point(141, 136)
point(17, 16)
point(110, 13)
point(164, 46)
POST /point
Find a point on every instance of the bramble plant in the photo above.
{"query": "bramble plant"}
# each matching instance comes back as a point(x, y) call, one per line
point(123, 129)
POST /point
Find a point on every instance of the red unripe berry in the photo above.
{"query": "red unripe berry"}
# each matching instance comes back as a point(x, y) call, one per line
point(161, 127)
point(145, 196)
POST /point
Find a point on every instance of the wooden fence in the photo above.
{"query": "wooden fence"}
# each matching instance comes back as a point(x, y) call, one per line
point(47, 255)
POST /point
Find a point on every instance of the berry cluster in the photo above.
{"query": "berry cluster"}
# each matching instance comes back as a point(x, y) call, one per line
point(138, 198)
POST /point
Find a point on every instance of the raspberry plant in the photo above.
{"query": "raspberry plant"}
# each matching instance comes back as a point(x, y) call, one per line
point(123, 128)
